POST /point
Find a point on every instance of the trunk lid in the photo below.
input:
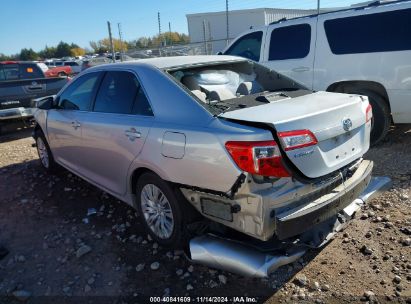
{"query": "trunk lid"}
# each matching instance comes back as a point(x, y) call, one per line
point(324, 114)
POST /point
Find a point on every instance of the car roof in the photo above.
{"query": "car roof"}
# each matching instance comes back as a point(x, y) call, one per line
point(177, 61)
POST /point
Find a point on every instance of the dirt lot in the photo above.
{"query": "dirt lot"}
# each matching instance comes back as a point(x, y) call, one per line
point(57, 257)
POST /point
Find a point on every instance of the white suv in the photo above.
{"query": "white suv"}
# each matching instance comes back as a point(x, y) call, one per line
point(363, 50)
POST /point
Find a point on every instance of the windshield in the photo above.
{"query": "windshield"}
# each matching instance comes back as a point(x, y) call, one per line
point(223, 86)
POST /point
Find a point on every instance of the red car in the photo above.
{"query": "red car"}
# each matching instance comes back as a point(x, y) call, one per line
point(59, 71)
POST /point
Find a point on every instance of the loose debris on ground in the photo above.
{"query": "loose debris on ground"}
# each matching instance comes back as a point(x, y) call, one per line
point(56, 247)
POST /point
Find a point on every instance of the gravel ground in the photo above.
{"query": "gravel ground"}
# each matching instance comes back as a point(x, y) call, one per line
point(58, 254)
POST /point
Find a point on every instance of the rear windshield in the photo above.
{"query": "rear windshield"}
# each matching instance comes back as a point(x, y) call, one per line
point(222, 87)
point(21, 71)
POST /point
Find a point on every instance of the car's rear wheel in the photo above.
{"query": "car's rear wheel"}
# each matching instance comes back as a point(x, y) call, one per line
point(160, 209)
point(381, 120)
point(62, 74)
point(44, 152)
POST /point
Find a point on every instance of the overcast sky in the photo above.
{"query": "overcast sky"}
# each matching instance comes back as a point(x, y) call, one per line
point(36, 23)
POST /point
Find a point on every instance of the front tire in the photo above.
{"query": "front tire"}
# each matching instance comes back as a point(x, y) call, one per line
point(44, 152)
point(160, 210)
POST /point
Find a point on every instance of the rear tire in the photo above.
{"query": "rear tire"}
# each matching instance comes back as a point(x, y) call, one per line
point(381, 120)
point(62, 74)
point(44, 152)
point(160, 208)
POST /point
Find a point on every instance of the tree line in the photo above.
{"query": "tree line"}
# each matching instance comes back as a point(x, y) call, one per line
point(64, 49)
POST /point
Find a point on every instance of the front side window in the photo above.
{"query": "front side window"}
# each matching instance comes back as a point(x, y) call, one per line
point(380, 32)
point(290, 42)
point(79, 94)
point(121, 93)
point(248, 46)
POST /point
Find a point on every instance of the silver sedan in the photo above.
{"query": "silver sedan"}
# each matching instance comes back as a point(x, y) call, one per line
point(209, 139)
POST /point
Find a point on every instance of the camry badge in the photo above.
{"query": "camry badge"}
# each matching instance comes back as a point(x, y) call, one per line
point(347, 124)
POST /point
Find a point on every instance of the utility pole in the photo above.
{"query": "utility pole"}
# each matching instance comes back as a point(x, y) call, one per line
point(111, 41)
point(159, 24)
point(120, 35)
point(318, 6)
point(205, 37)
point(226, 20)
point(210, 44)
point(169, 33)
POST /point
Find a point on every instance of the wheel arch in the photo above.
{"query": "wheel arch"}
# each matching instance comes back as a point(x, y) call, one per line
point(37, 128)
point(376, 87)
point(136, 175)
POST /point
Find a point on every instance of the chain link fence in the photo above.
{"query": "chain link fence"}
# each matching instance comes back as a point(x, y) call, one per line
point(198, 48)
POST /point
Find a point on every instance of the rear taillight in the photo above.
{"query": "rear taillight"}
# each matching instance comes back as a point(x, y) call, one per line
point(257, 157)
point(297, 139)
point(368, 113)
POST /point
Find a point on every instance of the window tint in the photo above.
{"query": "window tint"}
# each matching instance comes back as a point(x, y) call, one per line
point(120, 92)
point(381, 32)
point(29, 71)
point(71, 63)
point(141, 105)
point(248, 46)
point(290, 42)
point(79, 94)
point(11, 71)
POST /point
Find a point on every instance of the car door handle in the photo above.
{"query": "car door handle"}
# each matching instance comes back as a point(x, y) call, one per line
point(75, 125)
point(301, 69)
point(132, 134)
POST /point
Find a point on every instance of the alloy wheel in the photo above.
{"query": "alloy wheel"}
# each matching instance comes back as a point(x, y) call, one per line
point(157, 211)
point(43, 153)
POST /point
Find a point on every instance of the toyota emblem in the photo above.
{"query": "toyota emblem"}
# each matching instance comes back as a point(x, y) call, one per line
point(347, 124)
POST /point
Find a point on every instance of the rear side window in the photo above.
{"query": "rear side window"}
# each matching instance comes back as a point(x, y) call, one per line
point(79, 94)
point(381, 32)
point(290, 42)
point(248, 46)
point(121, 93)
point(11, 71)
point(30, 71)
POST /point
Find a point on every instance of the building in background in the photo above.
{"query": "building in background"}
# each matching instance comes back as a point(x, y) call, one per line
point(211, 27)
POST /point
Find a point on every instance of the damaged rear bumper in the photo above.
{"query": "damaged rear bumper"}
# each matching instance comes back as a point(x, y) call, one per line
point(259, 260)
point(298, 220)
point(285, 207)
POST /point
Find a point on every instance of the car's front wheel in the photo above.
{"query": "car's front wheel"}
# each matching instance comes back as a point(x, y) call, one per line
point(44, 152)
point(160, 210)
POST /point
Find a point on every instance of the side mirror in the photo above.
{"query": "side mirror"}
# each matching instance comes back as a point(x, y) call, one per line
point(46, 103)
point(220, 53)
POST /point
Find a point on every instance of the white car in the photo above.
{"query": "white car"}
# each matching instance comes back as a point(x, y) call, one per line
point(363, 50)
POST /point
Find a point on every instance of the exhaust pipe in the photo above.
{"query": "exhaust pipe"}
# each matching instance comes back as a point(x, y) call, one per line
point(228, 255)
